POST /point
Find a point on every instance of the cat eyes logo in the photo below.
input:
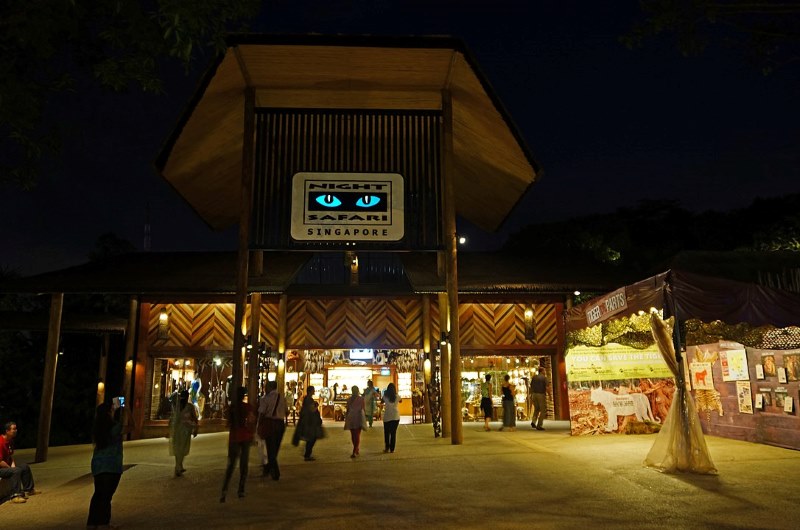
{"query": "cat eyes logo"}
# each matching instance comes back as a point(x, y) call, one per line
point(347, 207)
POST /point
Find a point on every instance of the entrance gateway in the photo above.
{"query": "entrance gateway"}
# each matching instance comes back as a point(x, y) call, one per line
point(341, 149)
point(355, 146)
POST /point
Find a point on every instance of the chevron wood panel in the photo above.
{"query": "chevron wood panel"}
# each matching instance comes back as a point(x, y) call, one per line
point(306, 321)
point(476, 323)
point(509, 324)
point(180, 325)
point(224, 317)
point(352, 323)
point(546, 320)
point(412, 312)
point(504, 324)
point(203, 324)
point(269, 323)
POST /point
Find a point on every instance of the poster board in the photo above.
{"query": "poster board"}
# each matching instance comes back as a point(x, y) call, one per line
point(613, 385)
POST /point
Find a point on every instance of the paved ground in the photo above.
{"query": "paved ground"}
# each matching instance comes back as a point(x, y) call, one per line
point(494, 480)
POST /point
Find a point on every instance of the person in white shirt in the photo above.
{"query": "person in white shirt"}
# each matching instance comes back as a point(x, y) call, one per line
point(391, 418)
point(272, 412)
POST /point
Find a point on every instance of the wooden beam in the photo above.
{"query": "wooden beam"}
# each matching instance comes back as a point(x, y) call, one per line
point(245, 206)
point(130, 349)
point(300, 98)
point(255, 331)
point(49, 376)
point(426, 347)
point(457, 435)
point(283, 309)
point(102, 370)
point(444, 369)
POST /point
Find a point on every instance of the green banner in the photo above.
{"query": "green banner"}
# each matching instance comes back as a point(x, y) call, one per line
point(614, 361)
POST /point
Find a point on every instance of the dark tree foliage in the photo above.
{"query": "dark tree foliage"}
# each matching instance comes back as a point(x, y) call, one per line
point(765, 32)
point(46, 47)
point(644, 238)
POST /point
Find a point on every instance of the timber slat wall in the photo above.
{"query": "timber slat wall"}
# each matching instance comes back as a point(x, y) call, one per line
point(352, 323)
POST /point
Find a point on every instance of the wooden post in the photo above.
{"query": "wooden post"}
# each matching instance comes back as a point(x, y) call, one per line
point(49, 376)
point(242, 277)
point(426, 347)
point(451, 242)
point(255, 332)
point(102, 369)
point(444, 369)
point(130, 348)
point(283, 305)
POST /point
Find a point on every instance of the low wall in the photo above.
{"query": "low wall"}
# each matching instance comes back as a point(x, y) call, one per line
point(769, 425)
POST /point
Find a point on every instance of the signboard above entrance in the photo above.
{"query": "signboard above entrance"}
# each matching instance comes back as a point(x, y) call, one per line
point(357, 207)
point(609, 305)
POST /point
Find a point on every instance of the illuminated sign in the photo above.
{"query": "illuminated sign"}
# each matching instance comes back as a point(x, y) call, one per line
point(357, 207)
point(606, 307)
point(361, 355)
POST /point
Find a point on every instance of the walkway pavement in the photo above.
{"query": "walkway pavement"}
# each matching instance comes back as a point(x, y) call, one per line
point(522, 479)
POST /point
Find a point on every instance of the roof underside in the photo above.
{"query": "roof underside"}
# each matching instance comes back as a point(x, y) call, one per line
point(203, 158)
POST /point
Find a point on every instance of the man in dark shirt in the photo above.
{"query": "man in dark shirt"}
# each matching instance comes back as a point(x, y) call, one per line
point(539, 393)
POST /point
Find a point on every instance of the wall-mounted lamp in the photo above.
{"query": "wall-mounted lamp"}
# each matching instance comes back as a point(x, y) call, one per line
point(163, 324)
point(462, 240)
point(530, 324)
point(426, 368)
point(577, 293)
point(444, 338)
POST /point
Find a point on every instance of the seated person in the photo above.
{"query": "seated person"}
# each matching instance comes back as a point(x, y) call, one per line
point(18, 473)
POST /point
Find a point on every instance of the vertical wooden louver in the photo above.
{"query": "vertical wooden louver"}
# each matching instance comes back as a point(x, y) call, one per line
point(289, 141)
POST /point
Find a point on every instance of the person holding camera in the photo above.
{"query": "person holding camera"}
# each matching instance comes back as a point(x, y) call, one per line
point(107, 433)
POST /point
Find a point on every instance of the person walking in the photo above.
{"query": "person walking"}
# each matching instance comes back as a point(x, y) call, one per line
point(391, 418)
point(239, 441)
point(486, 402)
point(354, 420)
point(371, 397)
point(183, 425)
point(539, 392)
point(107, 433)
point(272, 411)
point(509, 405)
point(309, 425)
point(18, 473)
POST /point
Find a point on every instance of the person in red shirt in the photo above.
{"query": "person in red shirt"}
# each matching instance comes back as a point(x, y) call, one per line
point(239, 441)
point(19, 473)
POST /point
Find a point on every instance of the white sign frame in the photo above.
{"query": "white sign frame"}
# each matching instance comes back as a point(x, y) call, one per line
point(344, 222)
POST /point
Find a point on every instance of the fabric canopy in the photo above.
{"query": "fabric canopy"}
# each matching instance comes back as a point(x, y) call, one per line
point(680, 445)
point(687, 295)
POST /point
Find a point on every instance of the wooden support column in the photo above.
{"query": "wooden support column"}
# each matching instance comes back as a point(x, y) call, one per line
point(444, 373)
point(49, 376)
point(242, 276)
point(451, 254)
point(130, 349)
point(426, 347)
point(280, 377)
point(102, 370)
point(255, 331)
point(136, 343)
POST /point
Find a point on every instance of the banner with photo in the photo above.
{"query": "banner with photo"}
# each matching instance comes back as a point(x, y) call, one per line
point(613, 388)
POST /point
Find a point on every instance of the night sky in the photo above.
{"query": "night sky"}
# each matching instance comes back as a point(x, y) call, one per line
point(608, 125)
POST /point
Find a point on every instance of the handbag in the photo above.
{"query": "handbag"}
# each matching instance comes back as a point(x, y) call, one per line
point(364, 424)
point(268, 426)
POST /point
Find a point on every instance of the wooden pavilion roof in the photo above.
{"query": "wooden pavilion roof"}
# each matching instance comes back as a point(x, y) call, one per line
point(201, 274)
point(202, 159)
